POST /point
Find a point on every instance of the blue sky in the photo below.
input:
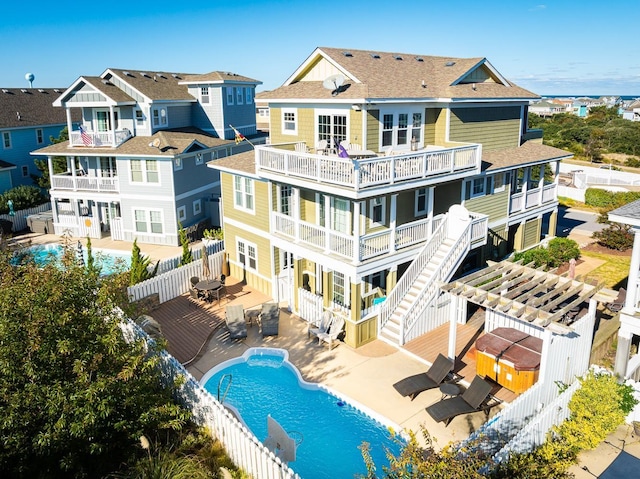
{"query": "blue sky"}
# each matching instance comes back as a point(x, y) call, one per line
point(570, 47)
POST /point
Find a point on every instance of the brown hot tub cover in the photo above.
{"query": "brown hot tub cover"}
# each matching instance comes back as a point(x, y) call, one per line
point(517, 347)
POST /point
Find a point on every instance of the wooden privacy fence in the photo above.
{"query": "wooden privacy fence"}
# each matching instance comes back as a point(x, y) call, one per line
point(242, 446)
point(175, 281)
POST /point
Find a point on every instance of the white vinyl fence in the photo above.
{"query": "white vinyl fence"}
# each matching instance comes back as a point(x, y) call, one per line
point(175, 281)
point(20, 219)
point(242, 446)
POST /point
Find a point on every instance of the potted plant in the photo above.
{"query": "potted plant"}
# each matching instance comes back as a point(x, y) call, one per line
point(210, 236)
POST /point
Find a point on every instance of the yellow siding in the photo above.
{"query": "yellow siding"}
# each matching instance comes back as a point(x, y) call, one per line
point(355, 128)
point(531, 233)
point(406, 207)
point(435, 131)
point(496, 206)
point(373, 130)
point(258, 220)
point(305, 126)
point(445, 195)
point(494, 128)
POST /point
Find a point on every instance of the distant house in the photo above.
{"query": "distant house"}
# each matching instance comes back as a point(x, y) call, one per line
point(547, 108)
point(136, 160)
point(632, 111)
point(27, 120)
point(385, 174)
point(262, 113)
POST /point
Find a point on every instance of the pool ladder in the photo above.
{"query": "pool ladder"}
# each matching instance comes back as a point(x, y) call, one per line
point(226, 389)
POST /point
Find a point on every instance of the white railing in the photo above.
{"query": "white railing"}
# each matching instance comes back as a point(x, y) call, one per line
point(415, 269)
point(479, 229)
point(78, 226)
point(90, 183)
point(243, 447)
point(367, 173)
point(549, 193)
point(333, 242)
point(99, 138)
point(311, 307)
point(517, 200)
point(534, 197)
point(19, 220)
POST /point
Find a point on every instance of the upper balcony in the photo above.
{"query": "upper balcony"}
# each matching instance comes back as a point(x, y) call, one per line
point(110, 139)
point(82, 182)
point(359, 176)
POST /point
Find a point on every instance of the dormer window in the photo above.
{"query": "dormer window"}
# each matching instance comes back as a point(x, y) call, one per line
point(204, 94)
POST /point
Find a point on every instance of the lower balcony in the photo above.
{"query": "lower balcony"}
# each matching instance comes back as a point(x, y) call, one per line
point(533, 198)
point(109, 139)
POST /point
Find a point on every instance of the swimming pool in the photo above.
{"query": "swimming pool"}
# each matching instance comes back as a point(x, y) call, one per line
point(264, 382)
point(110, 261)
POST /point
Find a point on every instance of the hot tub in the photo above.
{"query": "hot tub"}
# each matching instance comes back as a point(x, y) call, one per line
point(509, 357)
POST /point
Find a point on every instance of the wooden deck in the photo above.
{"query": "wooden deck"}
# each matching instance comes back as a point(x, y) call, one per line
point(188, 324)
point(429, 345)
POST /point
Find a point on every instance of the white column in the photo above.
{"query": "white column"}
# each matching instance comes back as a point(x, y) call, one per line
point(67, 110)
point(634, 270)
point(622, 352)
point(457, 303)
point(525, 183)
point(547, 336)
point(355, 228)
point(393, 208)
point(113, 126)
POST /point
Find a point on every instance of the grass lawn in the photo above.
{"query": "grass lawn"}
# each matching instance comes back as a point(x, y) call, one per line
point(614, 271)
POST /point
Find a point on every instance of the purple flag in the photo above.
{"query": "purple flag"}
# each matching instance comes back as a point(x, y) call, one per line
point(342, 152)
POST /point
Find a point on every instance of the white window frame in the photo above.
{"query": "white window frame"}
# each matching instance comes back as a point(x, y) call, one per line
point(160, 116)
point(204, 95)
point(321, 211)
point(177, 163)
point(244, 194)
point(6, 140)
point(478, 186)
point(197, 207)
point(139, 117)
point(293, 122)
point(380, 203)
point(230, 94)
point(340, 218)
point(182, 213)
point(247, 254)
point(248, 93)
point(239, 95)
point(393, 129)
point(199, 158)
point(498, 189)
point(39, 136)
point(336, 129)
point(419, 193)
point(148, 222)
point(344, 286)
point(146, 172)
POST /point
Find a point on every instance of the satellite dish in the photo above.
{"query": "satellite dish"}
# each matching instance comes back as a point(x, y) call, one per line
point(333, 83)
point(155, 143)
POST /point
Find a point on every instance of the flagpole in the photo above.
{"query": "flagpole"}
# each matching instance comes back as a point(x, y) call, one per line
point(240, 137)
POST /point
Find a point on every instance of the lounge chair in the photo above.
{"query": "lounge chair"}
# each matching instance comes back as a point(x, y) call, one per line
point(236, 324)
point(413, 385)
point(617, 304)
point(474, 399)
point(269, 319)
point(322, 327)
point(335, 328)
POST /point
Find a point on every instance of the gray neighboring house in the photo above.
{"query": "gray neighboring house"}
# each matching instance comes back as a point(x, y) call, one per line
point(27, 121)
point(136, 160)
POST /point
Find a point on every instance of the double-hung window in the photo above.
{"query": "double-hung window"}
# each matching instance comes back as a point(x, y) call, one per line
point(289, 121)
point(285, 200)
point(243, 193)
point(144, 171)
point(387, 130)
point(204, 94)
point(6, 139)
point(139, 117)
point(421, 201)
point(229, 95)
point(239, 96)
point(339, 288)
point(403, 128)
point(248, 93)
point(39, 136)
point(377, 211)
point(148, 221)
point(247, 254)
point(416, 129)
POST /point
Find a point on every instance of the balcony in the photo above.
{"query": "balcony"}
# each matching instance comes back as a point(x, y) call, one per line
point(431, 165)
point(365, 247)
point(109, 139)
point(533, 198)
point(67, 181)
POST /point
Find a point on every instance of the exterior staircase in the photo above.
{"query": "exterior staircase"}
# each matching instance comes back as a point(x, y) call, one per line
point(434, 265)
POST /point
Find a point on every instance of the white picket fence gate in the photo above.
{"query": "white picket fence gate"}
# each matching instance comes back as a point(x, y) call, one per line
point(243, 447)
point(20, 219)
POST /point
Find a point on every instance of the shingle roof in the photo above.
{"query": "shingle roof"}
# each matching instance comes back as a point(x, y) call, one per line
point(216, 77)
point(630, 210)
point(244, 162)
point(109, 89)
point(35, 106)
point(380, 75)
point(529, 152)
point(172, 142)
point(154, 85)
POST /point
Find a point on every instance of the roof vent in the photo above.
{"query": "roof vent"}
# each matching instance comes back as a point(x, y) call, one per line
point(375, 55)
point(24, 90)
point(129, 74)
point(347, 54)
point(41, 90)
point(4, 90)
point(449, 64)
point(419, 59)
point(162, 76)
point(56, 90)
point(397, 57)
point(175, 75)
point(106, 82)
point(145, 74)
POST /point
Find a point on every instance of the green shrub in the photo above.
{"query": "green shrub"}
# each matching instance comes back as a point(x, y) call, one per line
point(23, 197)
point(615, 236)
point(561, 250)
point(609, 200)
point(632, 162)
point(537, 256)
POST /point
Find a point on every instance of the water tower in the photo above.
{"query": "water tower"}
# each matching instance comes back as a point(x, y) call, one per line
point(30, 77)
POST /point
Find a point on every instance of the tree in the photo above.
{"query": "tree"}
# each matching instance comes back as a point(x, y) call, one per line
point(75, 397)
point(59, 163)
point(187, 257)
point(140, 265)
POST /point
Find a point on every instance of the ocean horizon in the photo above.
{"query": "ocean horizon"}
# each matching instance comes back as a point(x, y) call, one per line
point(624, 97)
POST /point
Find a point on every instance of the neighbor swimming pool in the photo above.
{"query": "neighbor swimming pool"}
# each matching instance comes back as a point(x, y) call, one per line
point(110, 261)
point(264, 382)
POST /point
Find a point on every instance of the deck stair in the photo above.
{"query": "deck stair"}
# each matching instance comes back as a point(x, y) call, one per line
point(419, 286)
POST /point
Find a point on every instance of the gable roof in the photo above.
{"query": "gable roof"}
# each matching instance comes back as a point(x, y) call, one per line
point(218, 77)
point(388, 76)
point(153, 85)
point(31, 107)
point(627, 214)
point(530, 152)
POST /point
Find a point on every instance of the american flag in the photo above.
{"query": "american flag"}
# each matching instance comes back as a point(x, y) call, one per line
point(86, 139)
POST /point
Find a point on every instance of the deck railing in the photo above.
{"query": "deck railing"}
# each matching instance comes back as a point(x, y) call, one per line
point(99, 138)
point(83, 182)
point(533, 198)
point(361, 174)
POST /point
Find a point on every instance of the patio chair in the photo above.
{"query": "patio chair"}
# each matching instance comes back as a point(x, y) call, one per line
point(195, 294)
point(321, 147)
point(331, 336)
point(617, 304)
point(474, 399)
point(269, 319)
point(322, 327)
point(236, 324)
point(413, 385)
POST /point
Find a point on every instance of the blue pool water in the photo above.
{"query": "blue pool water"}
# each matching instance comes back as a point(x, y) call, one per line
point(110, 261)
point(264, 382)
